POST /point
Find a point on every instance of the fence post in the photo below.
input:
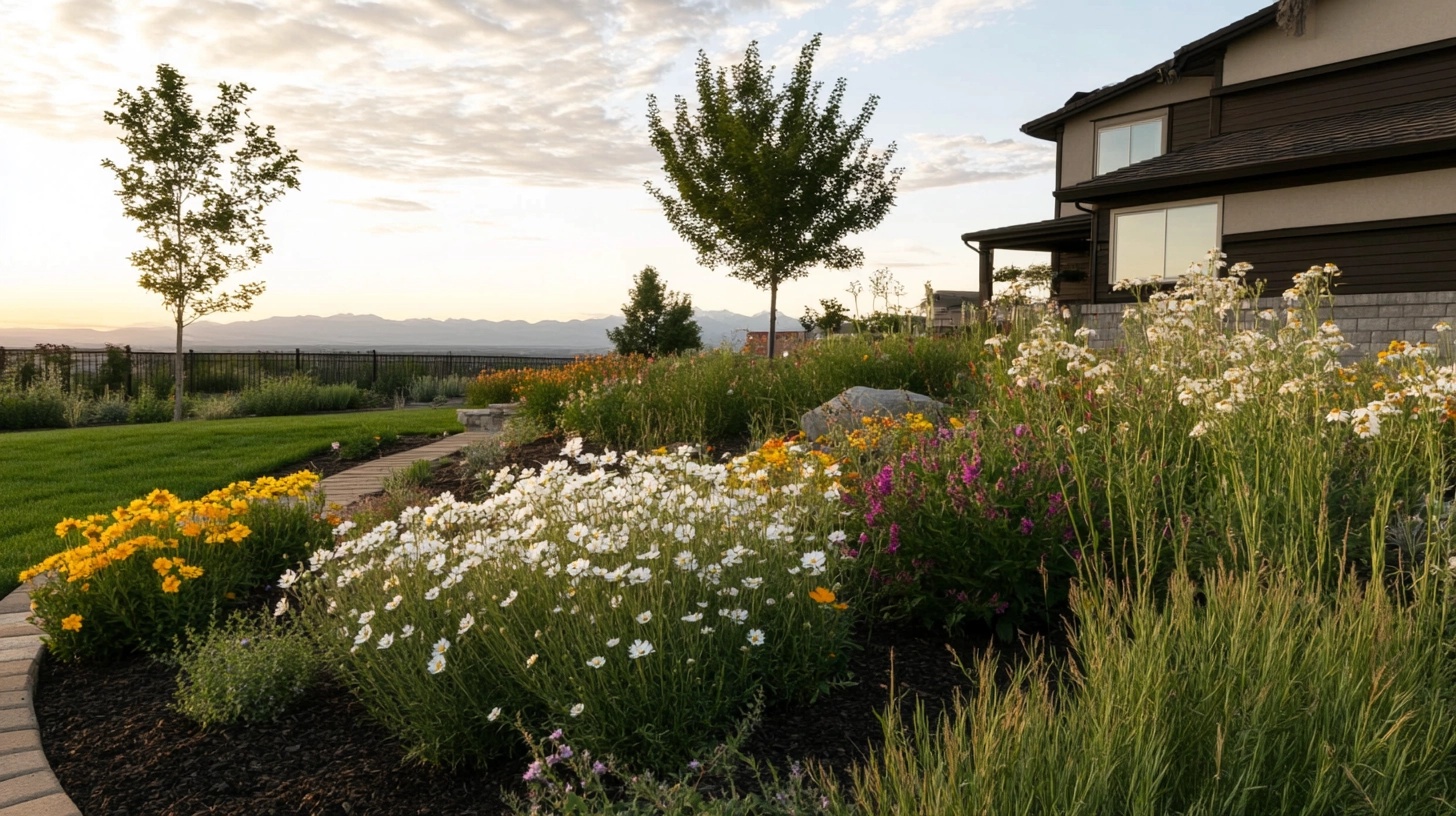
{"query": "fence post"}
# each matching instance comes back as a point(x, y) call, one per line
point(374, 370)
point(186, 374)
point(297, 359)
point(129, 392)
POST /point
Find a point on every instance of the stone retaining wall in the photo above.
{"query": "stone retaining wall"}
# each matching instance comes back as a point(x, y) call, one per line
point(1370, 322)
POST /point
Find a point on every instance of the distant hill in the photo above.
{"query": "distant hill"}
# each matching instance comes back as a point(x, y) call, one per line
point(351, 332)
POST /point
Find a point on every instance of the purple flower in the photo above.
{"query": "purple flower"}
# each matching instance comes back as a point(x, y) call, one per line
point(971, 472)
point(864, 539)
point(564, 752)
point(884, 482)
point(695, 765)
point(532, 772)
point(1027, 525)
point(1055, 504)
point(1020, 431)
point(894, 539)
point(598, 768)
point(555, 735)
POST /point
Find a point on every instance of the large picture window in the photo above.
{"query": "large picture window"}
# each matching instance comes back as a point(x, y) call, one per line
point(1161, 242)
point(1128, 143)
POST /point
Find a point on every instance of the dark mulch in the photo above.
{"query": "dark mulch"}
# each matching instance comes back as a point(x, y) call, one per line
point(119, 749)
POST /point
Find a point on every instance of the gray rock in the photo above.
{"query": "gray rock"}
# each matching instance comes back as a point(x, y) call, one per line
point(846, 410)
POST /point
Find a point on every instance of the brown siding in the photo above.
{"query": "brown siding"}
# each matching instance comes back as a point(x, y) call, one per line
point(1188, 124)
point(1414, 255)
point(1409, 79)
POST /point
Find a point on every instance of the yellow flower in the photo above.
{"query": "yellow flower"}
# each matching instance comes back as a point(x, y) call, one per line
point(71, 623)
point(162, 565)
point(171, 583)
point(956, 423)
point(190, 572)
point(822, 595)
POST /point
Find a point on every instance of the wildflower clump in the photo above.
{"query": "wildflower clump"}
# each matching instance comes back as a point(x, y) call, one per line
point(138, 577)
point(250, 669)
point(643, 599)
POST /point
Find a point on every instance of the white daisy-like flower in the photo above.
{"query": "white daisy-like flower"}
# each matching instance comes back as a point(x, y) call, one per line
point(287, 579)
point(639, 648)
point(597, 662)
point(441, 646)
point(365, 633)
point(393, 603)
point(405, 632)
point(494, 714)
point(432, 593)
point(693, 618)
point(755, 637)
point(641, 575)
point(366, 617)
point(707, 630)
point(837, 537)
point(644, 617)
point(752, 583)
point(577, 532)
point(282, 608)
point(577, 709)
point(612, 644)
point(509, 599)
point(466, 622)
point(814, 561)
point(531, 661)
point(437, 664)
point(385, 642)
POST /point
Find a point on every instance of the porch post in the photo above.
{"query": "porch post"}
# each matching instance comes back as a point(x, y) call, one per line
point(987, 265)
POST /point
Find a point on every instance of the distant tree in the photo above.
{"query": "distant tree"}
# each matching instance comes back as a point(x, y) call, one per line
point(828, 319)
point(658, 321)
point(200, 227)
point(767, 183)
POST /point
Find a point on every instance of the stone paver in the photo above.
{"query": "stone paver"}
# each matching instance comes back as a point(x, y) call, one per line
point(28, 787)
point(348, 487)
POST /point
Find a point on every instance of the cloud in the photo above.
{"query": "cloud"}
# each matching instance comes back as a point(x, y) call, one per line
point(390, 205)
point(948, 161)
point(889, 27)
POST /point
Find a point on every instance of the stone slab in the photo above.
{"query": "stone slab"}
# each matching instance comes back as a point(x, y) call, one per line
point(14, 741)
point(29, 787)
point(22, 763)
point(56, 804)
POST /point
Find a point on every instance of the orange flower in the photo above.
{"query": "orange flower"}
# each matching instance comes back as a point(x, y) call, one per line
point(822, 595)
point(171, 584)
point(162, 565)
point(71, 623)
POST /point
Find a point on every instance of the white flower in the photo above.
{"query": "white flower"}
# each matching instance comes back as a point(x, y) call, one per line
point(441, 646)
point(386, 641)
point(752, 583)
point(755, 637)
point(437, 664)
point(641, 575)
point(644, 617)
point(1336, 415)
point(693, 618)
point(287, 579)
point(393, 603)
point(531, 661)
point(837, 537)
point(597, 662)
point(577, 709)
point(432, 593)
point(509, 598)
point(577, 532)
point(281, 608)
point(612, 644)
point(707, 630)
point(366, 617)
point(494, 714)
point(573, 447)
point(685, 561)
point(365, 633)
point(814, 562)
point(466, 622)
point(639, 648)
point(1198, 430)
point(405, 632)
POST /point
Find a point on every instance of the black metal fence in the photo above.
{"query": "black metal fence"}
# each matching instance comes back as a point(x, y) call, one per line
point(121, 369)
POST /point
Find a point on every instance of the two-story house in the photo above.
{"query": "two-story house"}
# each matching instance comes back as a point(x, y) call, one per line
point(1283, 146)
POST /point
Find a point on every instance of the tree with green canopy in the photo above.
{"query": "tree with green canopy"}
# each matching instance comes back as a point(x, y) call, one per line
point(658, 321)
point(767, 182)
point(200, 226)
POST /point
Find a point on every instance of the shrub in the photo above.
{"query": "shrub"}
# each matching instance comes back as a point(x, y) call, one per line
point(364, 443)
point(148, 408)
point(140, 577)
point(297, 394)
point(110, 408)
point(642, 604)
point(1251, 694)
point(38, 403)
point(217, 406)
point(494, 387)
point(429, 388)
point(249, 669)
point(416, 475)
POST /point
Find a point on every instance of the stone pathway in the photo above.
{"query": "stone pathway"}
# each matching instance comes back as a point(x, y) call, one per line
point(28, 787)
point(348, 487)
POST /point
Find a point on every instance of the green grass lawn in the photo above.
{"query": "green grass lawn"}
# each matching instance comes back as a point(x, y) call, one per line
point(46, 476)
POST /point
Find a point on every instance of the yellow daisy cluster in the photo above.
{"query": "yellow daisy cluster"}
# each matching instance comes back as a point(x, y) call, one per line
point(789, 459)
point(159, 521)
point(877, 432)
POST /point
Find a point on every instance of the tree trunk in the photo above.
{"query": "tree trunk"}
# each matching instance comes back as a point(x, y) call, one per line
point(773, 317)
point(178, 367)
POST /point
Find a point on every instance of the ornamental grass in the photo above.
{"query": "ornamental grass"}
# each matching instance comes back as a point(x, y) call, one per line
point(140, 577)
point(640, 600)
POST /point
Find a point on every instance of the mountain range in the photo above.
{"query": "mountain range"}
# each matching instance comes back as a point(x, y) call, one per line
point(351, 332)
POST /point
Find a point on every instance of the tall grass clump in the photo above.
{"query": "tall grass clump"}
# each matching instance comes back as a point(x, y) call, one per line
point(641, 601)
point(428, 387)
point(297, 394)
point(247, 669)
point(39, 403)
point(1252, 693)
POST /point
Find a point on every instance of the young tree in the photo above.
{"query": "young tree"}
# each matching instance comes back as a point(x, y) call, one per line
point(769, 184)
point(200, 227)
point(658, 321)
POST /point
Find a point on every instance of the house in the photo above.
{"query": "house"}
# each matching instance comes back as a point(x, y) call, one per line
point(1331, 138)
point(951, 307)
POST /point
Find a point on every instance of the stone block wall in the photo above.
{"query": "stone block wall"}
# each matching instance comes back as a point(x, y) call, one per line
point(1369, 322)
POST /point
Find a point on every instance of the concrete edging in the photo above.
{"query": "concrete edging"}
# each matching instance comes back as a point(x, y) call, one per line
point(28, 786)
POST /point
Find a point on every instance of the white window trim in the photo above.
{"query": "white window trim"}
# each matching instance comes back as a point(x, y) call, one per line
point(1112, 277)
point(1127, 120)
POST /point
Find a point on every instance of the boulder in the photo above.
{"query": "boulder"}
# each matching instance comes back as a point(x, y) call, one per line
point(846, 410)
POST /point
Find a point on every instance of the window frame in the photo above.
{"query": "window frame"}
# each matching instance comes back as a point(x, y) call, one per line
point(1159, 115)
point(1216, 201)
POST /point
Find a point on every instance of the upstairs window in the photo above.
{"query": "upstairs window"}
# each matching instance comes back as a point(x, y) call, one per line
point(1161, 242)
point(1127, 143)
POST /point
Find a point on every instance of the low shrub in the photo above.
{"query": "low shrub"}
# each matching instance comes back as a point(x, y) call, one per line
point(416, 475)
point(140, 577)
point(364, 442)
point(297, 394)
point(1251, 694)
point(248, 669)
point(428, 388)
point(149, 408)
point(111, 408)
point(494, 387)
point(38, 401)
point(643, 602)
point(217, 406)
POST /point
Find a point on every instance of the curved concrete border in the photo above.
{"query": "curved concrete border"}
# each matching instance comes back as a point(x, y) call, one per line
point(28, 787)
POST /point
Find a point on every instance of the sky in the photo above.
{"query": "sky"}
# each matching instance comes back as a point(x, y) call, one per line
point(486, 159)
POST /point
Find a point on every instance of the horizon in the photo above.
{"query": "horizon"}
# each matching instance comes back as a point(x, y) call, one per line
point(490, 165)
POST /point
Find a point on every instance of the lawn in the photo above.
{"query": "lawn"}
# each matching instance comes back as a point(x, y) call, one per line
point(46, 476)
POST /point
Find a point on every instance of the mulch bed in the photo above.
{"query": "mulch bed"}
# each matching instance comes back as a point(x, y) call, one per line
point(119, 749)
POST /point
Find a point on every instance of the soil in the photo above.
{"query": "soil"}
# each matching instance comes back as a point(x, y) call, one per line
point(118, 747)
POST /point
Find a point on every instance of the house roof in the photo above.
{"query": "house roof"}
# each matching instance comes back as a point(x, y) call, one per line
point(1399, 131)
point(1195, 57)
point(1037, 236)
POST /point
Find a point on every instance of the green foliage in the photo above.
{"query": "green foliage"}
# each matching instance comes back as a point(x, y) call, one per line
point(1033, 275)
point(428, 388)
point(831, 316)
point(147, 409)
point(363, 442)
point(417, 474)
point(38, 402)
point(297, 394)
point(1252, 693)
point(249, 669)
point(494, 387)
point(200, 229)
point(768, 183)
point(217, 406)
point(658, 322)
